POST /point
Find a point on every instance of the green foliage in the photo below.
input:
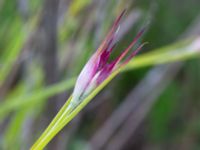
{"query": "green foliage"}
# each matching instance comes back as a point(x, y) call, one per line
point(162, 113)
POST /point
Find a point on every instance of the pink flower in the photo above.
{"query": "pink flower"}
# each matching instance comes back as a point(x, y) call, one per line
point(97, 69)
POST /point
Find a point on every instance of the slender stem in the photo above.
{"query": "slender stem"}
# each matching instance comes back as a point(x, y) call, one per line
point(51, 131)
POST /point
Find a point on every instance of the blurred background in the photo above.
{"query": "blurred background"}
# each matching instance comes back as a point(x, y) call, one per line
point(45, 43)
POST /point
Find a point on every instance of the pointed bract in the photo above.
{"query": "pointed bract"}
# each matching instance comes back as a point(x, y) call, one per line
point(97, 69)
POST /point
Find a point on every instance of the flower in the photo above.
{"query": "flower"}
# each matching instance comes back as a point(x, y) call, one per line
point(97, 69)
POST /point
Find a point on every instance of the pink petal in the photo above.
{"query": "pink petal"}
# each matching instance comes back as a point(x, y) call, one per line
point(105, 72)
point(86, 75)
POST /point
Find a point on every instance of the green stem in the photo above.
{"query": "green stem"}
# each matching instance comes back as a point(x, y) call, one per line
point(51, 131)
point(65, 115)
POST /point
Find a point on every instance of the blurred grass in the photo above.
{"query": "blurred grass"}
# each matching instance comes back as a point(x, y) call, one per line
point(167, 54)
point(176, 52)
point(13, 50)
point(77, 40)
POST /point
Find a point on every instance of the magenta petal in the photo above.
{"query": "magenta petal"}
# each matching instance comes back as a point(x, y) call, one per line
point(104, 57)
point(105, 72)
